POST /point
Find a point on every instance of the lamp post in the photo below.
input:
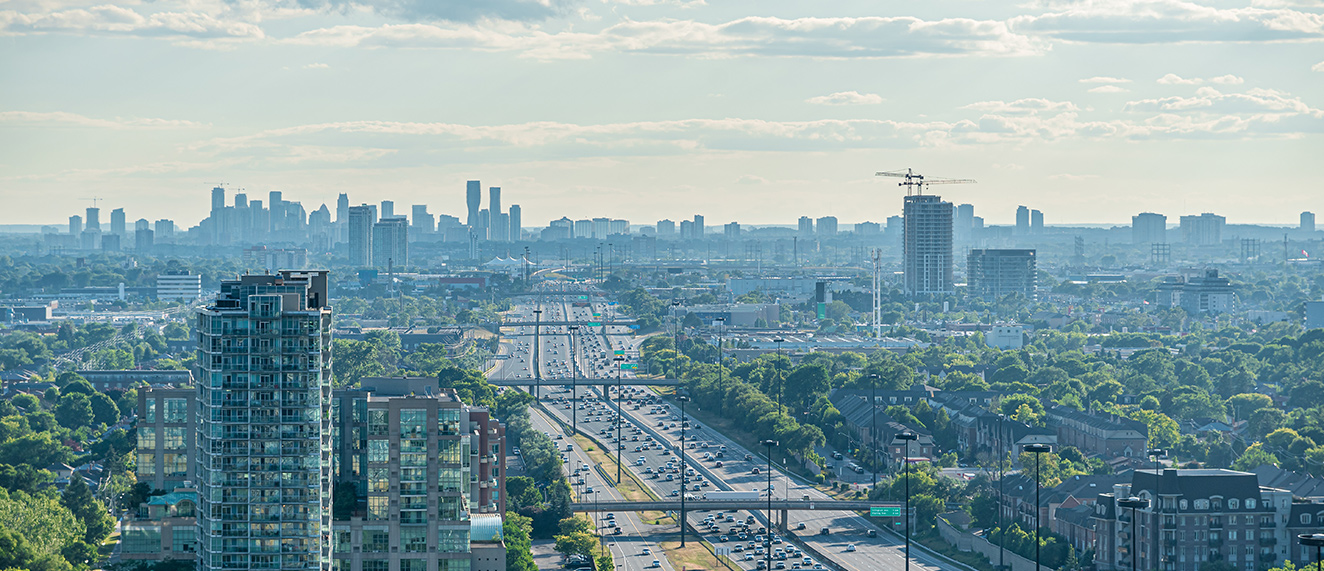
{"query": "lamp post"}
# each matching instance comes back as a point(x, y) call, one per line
point(683, 465)
point(620, 418)
point(907, 436)
point(1133, 503)
point(767, 553)
point(1002, 552)
point(720, 388)
point(675, 333)
point(1316, 541)
point(1038, 450)
point(873, 430)
point(537, 355)
point(574, 383)
point(1155, 454)
point(780, 381)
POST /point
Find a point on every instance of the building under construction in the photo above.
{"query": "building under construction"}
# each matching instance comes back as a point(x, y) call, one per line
point(928, 245)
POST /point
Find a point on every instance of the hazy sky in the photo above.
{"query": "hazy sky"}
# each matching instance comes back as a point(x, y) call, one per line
point(751, 110)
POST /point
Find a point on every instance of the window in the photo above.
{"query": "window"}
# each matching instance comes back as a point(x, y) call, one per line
point(1201, 504)
point(376, 564)
point(1181, 505)
point(413, 565)
point(413, 475)
point(1233, 504)
point(413, 422)
point(142, 539)
point(176, 410)
point(413, 517)
point(1250, 503)
point(449, 452)
point(378, 422)
point(1217, 504)
point(174, 465)
point(1232, 536)
point(343, 542)
point(146, 438)
point(453, 540)
point(379, 451)
point(414, 539)
point(453, 564)
point(149, 415)
point(376, 540)
point(173, 437)
point(1305, 518)
point(183, 539)
point(146, 464)
point(378, 507)
point(450, 480)
point(378, 480)
point(452, 508)
point(448, 421)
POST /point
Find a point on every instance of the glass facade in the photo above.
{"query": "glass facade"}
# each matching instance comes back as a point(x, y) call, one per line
point(264, 431)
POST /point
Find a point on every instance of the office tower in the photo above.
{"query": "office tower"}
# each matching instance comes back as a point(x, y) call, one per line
point(1036, 222)
point(474, 199)
point(1149, 228)
point(276, 212)
point(827, 226)
point(978, 225)
point(360, 235)
point(1203, 230)
point(562, 229)
point(143, 239)
point(666, 228)
point(447, 223)
point(141, 224)
point(686, 230)
point(497, 231)
point(1308, 221)
point(618, 227)
point(264, 424)
point(319, 228)
point(390, 242)
point(731, 231)
point(501, 227)
point(1022, 220)
point(388, 209)
point(868, 228)
point(927, 260)
point(515, 221)
point(75, 225)
point(484, 227)
point(342, 208)
point(241, 200)
point(420, 503)
point(994, 274)
point(698, 230)
point(420, 221)
point(217, 199)
point(964, 223)
point(93, 219)
point(600, 228)
point(805, 226)
point(165, 229)
point(117, 222)
point(896, 225)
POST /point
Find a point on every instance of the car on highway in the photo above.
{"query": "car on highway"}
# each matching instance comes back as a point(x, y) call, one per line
point(850, 548)
point(656, 563)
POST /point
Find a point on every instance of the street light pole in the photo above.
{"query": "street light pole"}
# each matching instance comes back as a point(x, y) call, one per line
point(1316, 541)
point(620, 418)
point(1002, 552)
point(1133, 503)
point(767, 552)
point(683, 465)
point(574, 383)
point(537, 354)
point(873, 430)
point(1156, 454)
point(720, 376)
point(1038, 450)
point(907, 436)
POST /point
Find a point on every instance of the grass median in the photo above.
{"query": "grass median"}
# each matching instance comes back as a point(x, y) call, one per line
point(697, 554)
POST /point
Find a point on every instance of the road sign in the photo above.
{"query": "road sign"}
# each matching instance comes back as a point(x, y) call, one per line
point(597, 315)
point(618, 352)
point(634, 327)
point(630, 366)
point(583, 297)
point(501, 357)
point(884, 512)
point(594, 324)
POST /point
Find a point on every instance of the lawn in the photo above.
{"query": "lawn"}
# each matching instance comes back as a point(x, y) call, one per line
point(696, 555)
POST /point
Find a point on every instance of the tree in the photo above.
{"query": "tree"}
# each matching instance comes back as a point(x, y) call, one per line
point(78, 499)
point(1246, 403)
point(41, 520)
point(355, 360)
point(74, 411)
point(104, 410)
point(1254, 457)
point(26, 402)
point(515, 531)
point(521, 492)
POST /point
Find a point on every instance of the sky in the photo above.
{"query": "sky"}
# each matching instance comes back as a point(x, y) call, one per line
point(757, 111)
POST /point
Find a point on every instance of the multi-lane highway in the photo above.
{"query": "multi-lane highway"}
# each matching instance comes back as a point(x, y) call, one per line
point(651, 431)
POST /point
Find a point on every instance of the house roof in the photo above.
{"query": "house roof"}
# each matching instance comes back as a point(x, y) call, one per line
point(1301, 485)
point(1198, 484)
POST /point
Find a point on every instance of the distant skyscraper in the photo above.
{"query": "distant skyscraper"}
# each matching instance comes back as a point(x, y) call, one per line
point(421, 223)
point(1036, 222)
point(498, 231)
point(473, 198)
point(896, 225)
point(117, 222)
point(342, 208)
point(390, 242)
point(1022, 220)
point(1203, 230)
point(698, 227)
point(686, 230)
point(1308, 221)
point(583, 228)
point(143, 239)
point(964, 224)
point(217, 198)
point(165, 229)
point(827, 226)
point(360, 235)
point(993, 274)
point(93, 219)
point(264, 434)
point(516, 220)
point(927, 259)
point(388, 209)
point(142, 224)
point(868, 228)
point(241, 200)
point(75, 225)
point(601, 228)
point(618, 227)
point(805, 226)
point(1149, 228)
point(484, 227)
point(731, 231)
point(666, 228)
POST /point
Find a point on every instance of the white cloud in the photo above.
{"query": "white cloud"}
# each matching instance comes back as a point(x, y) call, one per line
point(1174, 79)
point(61, 118)
point(118, 20)
point(1074, 177)
point(837, 38)
point(1023, 106)
point(846, 98)
point(1166, 21)
point(1227, 80)
point(1255, 102)
point(1317, 67)
point(1108, 80)
point(316, 66)
point(751, 179)
point(1108, 89)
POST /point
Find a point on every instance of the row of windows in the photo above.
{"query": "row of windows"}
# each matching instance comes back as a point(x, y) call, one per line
point(406, 564)
point(413, 421)
point(173, 410)
point(412, 540)
point(172, 437)
point(172, 465)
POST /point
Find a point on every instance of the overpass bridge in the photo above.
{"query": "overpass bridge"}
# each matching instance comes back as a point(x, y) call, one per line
point(633, 381)
point(564, 323)
point(750, 505)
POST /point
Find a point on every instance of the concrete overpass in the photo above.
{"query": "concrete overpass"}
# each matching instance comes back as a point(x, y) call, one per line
point(563, 323)
point(751, 505)
point(632, 381)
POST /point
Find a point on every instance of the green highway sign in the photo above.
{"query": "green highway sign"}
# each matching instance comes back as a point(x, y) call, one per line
point(630, 366)
point(619, 352)
point(594, 324)
point(583, 297)
point(884, 512)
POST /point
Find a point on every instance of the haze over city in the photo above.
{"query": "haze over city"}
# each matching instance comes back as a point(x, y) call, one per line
point(751, 111)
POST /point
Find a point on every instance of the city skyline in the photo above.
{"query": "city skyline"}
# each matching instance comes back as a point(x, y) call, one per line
point(646, 110)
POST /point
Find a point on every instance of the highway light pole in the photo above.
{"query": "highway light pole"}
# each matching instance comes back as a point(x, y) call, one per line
point(683, 400)
point(873, 431)
point(1133, 503)
point(767, 552)
point(1316, 541)
point(721, 393)
point(1038, 450)
point(1156, 454)
point(537, 354)
point(907, 436)
point(574, 382)
point(620, 418)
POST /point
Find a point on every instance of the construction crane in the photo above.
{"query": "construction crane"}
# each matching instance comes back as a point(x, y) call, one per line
point(94, 200)
point(915, 183)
